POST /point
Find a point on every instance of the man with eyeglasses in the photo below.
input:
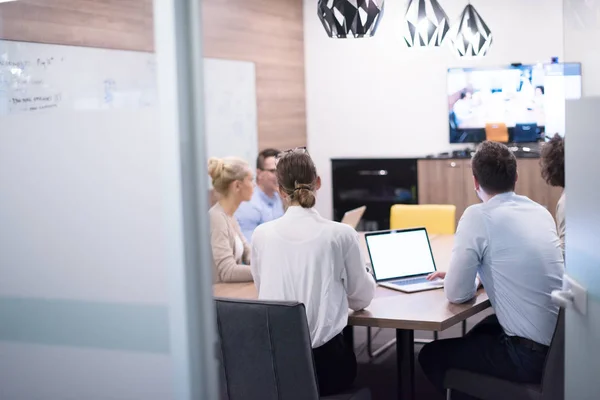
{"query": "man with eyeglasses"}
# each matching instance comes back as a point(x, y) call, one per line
point(265, 205)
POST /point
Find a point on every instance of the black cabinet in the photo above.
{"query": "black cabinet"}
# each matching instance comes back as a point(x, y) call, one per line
point(375, 183)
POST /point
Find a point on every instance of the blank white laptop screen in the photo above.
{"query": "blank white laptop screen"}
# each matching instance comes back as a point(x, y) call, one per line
point(400, 254)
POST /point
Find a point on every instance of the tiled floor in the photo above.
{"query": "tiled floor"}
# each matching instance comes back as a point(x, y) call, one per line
point(379, 374)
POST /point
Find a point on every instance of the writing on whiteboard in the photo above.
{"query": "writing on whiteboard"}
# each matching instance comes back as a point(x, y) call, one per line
point(46, 62)
point(36, 77)
point(35, 103)
point(14, 64)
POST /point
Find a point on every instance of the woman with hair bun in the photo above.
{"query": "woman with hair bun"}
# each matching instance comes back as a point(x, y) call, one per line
point(306, 258)
point(232, 180)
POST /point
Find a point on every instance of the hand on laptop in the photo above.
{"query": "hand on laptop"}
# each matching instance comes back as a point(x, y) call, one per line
point(436, 275)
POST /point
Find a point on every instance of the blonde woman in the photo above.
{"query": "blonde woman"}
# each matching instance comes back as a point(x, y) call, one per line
point(233, 181)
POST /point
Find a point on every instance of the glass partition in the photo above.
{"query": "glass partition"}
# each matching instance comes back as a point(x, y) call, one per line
point(582, 197)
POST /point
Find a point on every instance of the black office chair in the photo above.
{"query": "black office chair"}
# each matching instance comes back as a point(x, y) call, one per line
point(265, 352)
point(488, 388)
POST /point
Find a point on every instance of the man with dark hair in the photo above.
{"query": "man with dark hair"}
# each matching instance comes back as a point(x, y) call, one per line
point(265, 204)
point(511, 243)
point(494, 169)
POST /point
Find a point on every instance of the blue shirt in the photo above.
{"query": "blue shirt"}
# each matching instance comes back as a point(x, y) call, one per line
point(260, 209)
point(512, 243)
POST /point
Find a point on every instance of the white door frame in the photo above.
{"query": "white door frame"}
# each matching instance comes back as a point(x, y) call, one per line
point(178, 39)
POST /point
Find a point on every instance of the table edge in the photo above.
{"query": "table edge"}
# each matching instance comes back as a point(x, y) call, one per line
point(419, 325)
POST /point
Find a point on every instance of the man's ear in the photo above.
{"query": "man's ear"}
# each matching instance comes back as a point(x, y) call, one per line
point(318, 183)
point(476, 183)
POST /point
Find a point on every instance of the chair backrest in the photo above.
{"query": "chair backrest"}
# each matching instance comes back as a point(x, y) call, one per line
point(496, 132)
point(439, 219)
point(266, 350)
point(525, 133)
point(553, 381)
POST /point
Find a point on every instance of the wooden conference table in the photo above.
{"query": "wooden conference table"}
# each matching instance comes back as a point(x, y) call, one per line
point(427, 311)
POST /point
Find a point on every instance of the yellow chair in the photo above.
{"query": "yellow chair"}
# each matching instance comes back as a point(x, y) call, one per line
point(439, 219)
point(496, 132)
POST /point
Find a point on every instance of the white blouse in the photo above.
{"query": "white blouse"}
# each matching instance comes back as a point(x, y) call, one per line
point(306, 258)
point(238, 251)
point(560, 220)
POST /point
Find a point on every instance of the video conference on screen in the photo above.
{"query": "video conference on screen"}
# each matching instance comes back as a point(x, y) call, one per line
point(517, 104)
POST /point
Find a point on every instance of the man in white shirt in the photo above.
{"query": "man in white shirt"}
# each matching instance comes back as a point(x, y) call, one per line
point(511, 242)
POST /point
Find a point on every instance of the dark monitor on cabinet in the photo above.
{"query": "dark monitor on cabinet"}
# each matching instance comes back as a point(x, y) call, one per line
point(376, 183)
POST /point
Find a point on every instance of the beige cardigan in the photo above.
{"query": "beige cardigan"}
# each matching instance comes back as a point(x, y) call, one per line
point(223, 230)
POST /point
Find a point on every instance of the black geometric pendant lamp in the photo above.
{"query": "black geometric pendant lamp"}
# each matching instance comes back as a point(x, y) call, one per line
point(473, 37)
point(426, 24)
point(344, 18)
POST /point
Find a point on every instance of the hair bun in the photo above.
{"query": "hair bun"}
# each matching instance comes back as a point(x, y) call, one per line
point(306, 197)
point(215, 168)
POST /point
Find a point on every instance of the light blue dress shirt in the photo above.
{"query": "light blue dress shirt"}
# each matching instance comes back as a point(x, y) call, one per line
point(260, 209)
point(512, 243)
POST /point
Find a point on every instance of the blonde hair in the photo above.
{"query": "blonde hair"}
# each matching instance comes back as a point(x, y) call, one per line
point(224, 171)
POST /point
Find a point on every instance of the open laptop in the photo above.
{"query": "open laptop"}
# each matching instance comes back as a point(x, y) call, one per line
point(353, 217)
point(402, 259)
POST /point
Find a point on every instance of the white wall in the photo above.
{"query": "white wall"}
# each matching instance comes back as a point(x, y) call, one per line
point(377, 98)
point(581, 35)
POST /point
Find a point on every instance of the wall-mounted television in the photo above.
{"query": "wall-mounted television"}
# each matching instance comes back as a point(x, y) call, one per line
point(516, 104)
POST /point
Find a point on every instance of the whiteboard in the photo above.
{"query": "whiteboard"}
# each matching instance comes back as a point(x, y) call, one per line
point(80, 179)
point(230, 109)
point(81, 202)
point(38, 78)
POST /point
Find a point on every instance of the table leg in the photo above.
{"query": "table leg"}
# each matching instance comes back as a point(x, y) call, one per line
point(348, 333)
point(379, 351)
point(405, 358)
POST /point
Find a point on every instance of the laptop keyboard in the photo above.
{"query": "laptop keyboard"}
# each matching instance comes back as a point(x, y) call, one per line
point(410, 281)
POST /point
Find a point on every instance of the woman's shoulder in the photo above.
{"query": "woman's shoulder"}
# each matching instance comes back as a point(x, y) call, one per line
point(217, 216)
point(339, 231)
point(562, 200)
point(342, 236)
point(216, 209)
point(264, 229)
point(560, 206)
